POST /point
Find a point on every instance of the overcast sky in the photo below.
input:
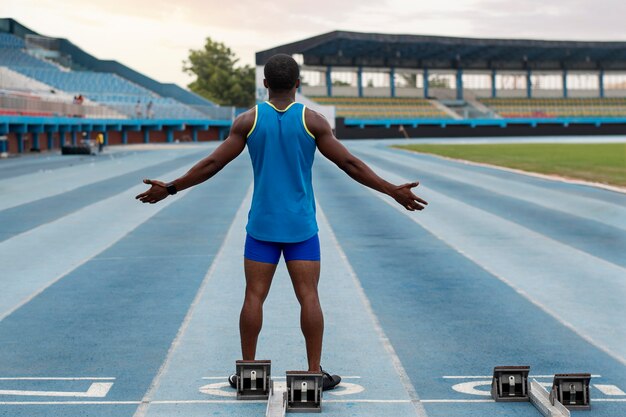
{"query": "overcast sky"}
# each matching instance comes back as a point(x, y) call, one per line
point(154, 36)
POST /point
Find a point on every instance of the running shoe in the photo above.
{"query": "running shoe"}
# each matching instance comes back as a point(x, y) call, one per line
point(232, 380)
point(329, 381)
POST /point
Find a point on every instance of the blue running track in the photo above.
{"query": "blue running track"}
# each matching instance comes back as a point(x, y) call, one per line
point(113, 308)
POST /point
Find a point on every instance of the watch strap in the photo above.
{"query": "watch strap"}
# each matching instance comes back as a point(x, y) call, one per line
point(171, 188)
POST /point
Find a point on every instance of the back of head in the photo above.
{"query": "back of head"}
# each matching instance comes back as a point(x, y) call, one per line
point(281, 72)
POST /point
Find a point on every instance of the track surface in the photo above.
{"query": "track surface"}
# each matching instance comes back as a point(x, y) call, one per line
point(113, 308)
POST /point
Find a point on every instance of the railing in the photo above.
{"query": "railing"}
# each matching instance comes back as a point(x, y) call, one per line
point(31, 106)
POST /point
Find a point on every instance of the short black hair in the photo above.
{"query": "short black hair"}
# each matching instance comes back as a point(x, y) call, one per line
point(281, 72)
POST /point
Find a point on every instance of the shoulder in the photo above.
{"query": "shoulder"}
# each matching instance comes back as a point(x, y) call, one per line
point(315, 121)
point(245, 121)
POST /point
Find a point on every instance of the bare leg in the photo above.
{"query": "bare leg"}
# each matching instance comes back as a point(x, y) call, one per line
point(305, 276)
point(258, 281)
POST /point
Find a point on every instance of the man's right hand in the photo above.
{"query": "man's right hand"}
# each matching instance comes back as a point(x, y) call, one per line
point(156, 193)
point(405, 197)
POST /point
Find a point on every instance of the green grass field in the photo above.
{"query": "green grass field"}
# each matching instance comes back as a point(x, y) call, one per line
point(602, 162)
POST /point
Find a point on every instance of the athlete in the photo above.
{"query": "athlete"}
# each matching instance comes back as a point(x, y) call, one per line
point(282, 137)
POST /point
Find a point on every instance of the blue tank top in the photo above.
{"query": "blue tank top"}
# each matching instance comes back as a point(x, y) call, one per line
point(282, 150)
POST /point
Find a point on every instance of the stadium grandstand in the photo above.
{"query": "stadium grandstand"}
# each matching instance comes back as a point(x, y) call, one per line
point(53, 93)
point(368, 85)
point(444, 86)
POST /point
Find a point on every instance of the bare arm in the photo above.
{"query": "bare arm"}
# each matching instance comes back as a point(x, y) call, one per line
point(334, 150)
point(207, 167)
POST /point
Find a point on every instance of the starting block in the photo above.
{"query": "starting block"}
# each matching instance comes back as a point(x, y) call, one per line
point(540, 398)
point(253, 379)
point(510, 383)
point(304, 392)
point(571, 390)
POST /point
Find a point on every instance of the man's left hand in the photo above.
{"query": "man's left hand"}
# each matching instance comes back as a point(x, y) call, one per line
point(156, 193)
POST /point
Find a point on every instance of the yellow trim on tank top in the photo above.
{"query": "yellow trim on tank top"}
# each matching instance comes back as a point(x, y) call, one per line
point(256, 115)
point(304, 123)
point(277, 109)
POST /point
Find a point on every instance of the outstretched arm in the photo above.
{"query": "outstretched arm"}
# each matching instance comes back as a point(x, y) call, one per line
point(334, 150)
point(207, 167)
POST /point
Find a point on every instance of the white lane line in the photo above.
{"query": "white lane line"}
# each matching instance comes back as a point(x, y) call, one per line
point(456, 401)
point(95, 390)
point(69, 402)
point(176, 402)
point(609, 389)
point(605, 212)
point(273, 377)
point(86, 229)
point(492, 268)
point(553, 177)
point(36, 186)
point(404, 378)
point(143, 409)
point(491, 376)
point(54, 378)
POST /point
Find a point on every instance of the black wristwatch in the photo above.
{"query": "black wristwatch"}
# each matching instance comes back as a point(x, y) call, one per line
point(171, 188)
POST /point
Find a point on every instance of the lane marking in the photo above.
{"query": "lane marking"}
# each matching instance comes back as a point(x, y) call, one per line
point(143, 408)
point(95, 390)
point(54, 378)
point(223, 389)
point(81, 217)
point(550, 177)
point(470, 387)
point(397, 364)
point(617, 357)
point(457, 401)
point(491, 376)
point(175, 402)
point(275, 377)
point(609, 389)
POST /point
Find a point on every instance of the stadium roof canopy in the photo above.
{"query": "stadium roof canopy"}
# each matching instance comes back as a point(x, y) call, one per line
point(375, 50)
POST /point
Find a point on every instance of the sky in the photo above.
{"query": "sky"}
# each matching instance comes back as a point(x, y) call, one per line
point(155, 36)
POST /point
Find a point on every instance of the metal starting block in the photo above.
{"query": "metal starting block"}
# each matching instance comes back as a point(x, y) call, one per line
point(510, 383)
point(304, 392)
point(571, 390)
point(253, 380)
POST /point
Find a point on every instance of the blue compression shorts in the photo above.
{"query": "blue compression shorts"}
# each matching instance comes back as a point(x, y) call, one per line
point(269, 252)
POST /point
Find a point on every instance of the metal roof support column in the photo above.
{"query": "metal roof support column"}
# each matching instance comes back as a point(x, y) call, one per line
point(74, 135)
point(124, 136)
point(392, 81)
point(425, 82)
point(35, 136)
point(601, 83)
point(529, 84)
point(50, 139)
point(194, 133)
point(106, 137)
point(146, 135)
point(329, 81)
point(459, 84)
point(494, 90)
point(20, 142)
point(359, 80)
point(564, 83)
point(169, 134)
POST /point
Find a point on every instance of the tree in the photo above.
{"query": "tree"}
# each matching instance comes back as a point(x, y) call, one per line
point(217, 76)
